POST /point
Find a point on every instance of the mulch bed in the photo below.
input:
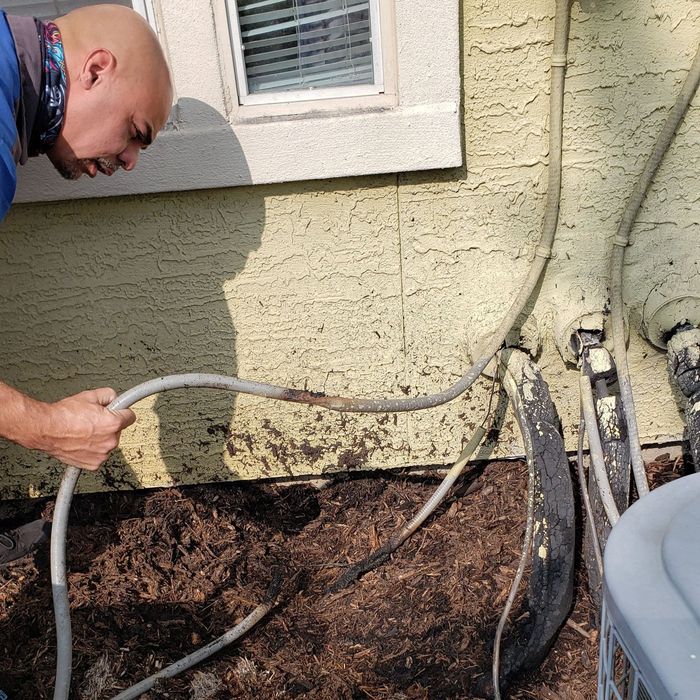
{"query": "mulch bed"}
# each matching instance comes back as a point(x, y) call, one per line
point(156, 574)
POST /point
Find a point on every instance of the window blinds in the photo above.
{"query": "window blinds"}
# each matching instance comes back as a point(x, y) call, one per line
point(297, 44)
point(50, 10)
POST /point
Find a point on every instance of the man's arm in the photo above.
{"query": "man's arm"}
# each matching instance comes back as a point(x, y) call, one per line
point(79, 430)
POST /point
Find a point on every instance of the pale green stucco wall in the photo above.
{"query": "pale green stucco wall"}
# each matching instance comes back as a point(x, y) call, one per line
point(367, 286)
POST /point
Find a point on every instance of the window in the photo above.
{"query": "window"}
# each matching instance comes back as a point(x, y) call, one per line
point(287, 90)
point(51, 10)
point(289, 50)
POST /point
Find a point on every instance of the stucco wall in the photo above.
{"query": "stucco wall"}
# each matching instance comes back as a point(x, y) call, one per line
point(368, 286)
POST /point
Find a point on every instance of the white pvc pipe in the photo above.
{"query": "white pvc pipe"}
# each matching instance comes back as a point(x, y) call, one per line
point(596, 450)
point(585, 496)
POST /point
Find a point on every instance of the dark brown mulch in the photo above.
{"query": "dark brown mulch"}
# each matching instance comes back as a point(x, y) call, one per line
point(155, 574)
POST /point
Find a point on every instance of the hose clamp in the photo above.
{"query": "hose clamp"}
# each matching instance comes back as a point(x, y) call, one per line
point(559, 61)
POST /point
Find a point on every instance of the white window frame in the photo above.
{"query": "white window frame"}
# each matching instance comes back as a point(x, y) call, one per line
point(143, 7)
point(214, 141)
point(246, 98)
point(147, 10)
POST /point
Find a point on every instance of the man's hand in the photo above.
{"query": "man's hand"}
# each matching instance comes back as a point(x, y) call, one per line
point(80, 430)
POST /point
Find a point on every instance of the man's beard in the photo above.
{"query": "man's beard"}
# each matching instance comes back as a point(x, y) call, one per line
point(72, 169)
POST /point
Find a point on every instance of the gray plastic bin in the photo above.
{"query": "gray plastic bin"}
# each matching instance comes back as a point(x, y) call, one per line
point(650, 630)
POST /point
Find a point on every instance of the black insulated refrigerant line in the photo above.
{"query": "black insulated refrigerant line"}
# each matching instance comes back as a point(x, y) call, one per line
point(550, 536)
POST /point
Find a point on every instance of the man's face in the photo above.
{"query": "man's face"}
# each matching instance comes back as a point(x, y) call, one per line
point(107, 123)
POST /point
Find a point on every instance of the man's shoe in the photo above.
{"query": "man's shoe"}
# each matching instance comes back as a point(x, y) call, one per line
point(17, 543)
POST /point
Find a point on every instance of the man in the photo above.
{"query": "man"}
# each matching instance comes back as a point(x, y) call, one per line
point(90, 90)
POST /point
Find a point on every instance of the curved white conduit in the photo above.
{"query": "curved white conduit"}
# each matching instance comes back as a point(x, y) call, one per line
point(442, 490)
point(620, 242)
point(336, 403)
point(398, 538)
point(510, 385)
point(196, 656)
point(59, 586)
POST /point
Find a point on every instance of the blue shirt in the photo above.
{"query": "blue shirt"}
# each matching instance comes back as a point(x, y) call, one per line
point(9, 99)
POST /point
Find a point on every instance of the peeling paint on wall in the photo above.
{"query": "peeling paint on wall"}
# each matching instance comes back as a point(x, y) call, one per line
point(371, 286)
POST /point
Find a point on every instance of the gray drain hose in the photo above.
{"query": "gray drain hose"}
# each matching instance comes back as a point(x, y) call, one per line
point(59, 586)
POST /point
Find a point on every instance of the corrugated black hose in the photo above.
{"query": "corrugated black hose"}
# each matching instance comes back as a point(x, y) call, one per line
point(551, 522)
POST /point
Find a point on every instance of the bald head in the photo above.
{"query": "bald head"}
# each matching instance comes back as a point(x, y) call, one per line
point(119, 90)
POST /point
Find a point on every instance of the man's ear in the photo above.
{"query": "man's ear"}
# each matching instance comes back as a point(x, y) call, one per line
point(98, 65)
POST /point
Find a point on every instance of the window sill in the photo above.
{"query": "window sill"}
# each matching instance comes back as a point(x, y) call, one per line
point(218, 155)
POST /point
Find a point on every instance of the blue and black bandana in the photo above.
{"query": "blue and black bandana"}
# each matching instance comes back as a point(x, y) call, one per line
point(53, 98)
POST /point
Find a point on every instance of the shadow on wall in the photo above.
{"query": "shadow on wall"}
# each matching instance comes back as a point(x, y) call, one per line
point(194, 243)
point(136, 288)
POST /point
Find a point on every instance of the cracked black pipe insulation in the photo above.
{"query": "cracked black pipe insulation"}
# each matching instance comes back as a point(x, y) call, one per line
point(550, 532)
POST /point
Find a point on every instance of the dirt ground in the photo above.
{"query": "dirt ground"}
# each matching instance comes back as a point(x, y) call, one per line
point(156, 574)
